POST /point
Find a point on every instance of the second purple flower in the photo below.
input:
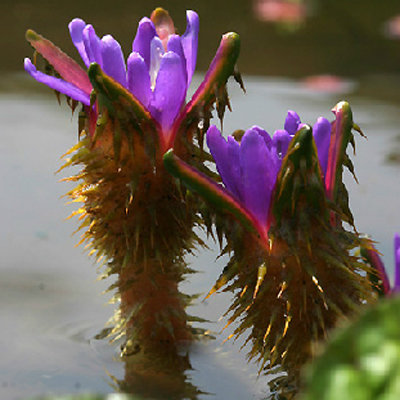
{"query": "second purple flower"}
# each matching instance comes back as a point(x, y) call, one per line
point(249, 169)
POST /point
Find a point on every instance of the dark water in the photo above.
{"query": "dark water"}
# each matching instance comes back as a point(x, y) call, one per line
point(51, 305)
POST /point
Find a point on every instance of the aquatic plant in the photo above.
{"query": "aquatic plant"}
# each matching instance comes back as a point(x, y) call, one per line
point(293, 268)
point(138, 220)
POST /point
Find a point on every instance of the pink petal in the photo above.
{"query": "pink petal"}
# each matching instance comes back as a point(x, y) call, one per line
point(69, 70)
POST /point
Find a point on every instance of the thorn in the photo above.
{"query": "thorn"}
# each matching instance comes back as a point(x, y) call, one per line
point(358, 129)
point(284, 286)
point(267, 332)
point(238, 78)
point(262, 270)
point(228, 338)
point(287, 322)
point(315, 280)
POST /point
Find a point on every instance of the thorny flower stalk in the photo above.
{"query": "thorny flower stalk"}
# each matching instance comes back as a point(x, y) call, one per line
point(292, 268)
point(138, 220)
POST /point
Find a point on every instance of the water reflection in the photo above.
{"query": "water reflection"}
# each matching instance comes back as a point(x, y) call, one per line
point(158, 375)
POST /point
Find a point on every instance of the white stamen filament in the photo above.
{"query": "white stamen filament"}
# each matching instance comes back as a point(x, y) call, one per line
point(156, 53)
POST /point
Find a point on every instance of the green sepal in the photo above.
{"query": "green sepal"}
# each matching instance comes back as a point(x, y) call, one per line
point(362, 362)
point(124, 109)
point(299, 194)
point(208, 189)
point(341, 136)
point(213, 89)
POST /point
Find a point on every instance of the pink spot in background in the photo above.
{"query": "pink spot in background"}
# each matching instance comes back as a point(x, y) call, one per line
point(392, 27)
point(279, 11)
point(328, 84)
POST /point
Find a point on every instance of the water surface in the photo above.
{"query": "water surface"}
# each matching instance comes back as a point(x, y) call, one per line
point(51, 305)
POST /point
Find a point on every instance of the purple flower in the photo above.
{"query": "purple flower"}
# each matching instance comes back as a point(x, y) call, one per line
point(157, 72)
point(249, 169)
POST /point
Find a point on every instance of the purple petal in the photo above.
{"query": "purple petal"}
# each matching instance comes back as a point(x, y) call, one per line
point(190, 42)
point(170, 90)
point(113, 59)
point(292, 122)
point(280, 143)
point(396, 286)
point(56, 83)
point(139, 79)
point(234, 157)
point(144, 35)
point(156, 53)
point(93, 45)
point(264, 134)
point(322, 137)
point(76, 27)
point(174, 44)
point(226, 157)
point(258, 175)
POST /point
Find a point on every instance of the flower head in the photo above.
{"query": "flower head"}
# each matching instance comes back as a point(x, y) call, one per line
point(249, 169)
point(157, 72)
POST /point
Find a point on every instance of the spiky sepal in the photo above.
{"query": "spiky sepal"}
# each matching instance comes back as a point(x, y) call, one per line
point(192, 123)
point(130, 210)
point(138, 223)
